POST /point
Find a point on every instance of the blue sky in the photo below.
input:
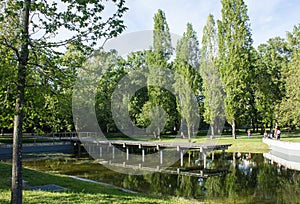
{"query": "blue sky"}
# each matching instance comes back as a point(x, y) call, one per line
point(268, 18)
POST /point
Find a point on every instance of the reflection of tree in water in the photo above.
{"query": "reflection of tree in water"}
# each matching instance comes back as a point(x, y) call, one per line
point(132, 182)
point(215, 186)
point(260, 183)
point(187, 186)
point(159, 183)
point(278, 184)
point(165, 184)
point(291, 190)
point(267, 182)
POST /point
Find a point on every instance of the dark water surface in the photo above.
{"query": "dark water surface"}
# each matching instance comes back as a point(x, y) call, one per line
point(239, 178)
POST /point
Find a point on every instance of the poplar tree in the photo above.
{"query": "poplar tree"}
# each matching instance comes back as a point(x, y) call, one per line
point(212, 86)
point(186, 67)
point(235, 44)
point(159, 98)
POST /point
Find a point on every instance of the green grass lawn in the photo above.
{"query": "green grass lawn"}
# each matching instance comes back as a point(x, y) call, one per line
point(79, 191)
point(253, 144)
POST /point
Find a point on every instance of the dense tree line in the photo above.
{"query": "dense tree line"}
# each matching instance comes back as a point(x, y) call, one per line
point(229, 78)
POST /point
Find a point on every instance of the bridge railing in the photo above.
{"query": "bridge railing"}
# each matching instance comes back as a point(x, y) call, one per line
point(52, 134)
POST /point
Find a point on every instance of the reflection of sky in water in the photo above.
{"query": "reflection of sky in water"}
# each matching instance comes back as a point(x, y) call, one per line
point(245, 163)
point(246, 166)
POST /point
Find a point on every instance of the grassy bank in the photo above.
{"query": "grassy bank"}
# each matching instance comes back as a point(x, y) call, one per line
point(79, 191)
point(253, 144)
point(242, 144)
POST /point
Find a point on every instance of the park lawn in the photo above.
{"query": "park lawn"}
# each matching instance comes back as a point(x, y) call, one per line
point(79, 191)
point(253, 144)
point(241, 144)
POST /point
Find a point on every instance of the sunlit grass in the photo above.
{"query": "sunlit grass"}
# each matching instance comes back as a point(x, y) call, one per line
point(253, 144)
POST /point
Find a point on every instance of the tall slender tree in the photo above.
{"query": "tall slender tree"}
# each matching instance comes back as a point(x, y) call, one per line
point(157, 58)
point(161, 36)
point(36, 25)
point(235, 44)
point(186, 67)
point(212, 85)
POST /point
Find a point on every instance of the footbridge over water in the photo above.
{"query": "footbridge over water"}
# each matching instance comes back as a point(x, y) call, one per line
point(128, 152)
point(139, 152)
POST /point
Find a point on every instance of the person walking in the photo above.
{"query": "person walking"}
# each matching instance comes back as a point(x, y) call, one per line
point(249, 134)
point(277, 133)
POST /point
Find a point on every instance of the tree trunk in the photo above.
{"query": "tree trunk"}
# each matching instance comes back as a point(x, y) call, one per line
point(189, 132)
point(16, 185)
point(253, 125)
point(233, 129)
point(271, 124)
point(212, 131)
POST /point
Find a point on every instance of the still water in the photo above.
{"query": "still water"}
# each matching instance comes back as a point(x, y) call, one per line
point(237, 178)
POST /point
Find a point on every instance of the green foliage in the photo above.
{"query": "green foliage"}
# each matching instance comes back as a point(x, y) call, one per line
point(157, 76)
point(212, 85)
point(111, 71)
point(234, 58)
point(273, 59)
point(289, 107)
point(38, 61)
point(33, 41)
point(187, 81)
point(161, 35)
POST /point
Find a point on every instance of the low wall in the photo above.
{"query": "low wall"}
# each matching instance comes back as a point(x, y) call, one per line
point(290, 148)
point(51, 147)
point(290, 162)
point(284, 153)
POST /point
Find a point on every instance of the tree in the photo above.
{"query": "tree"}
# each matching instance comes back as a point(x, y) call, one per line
point(187, 81)
point(111, 70)
point(161, 36)
point(289, 113)
point(7, 88)
point(212, 86)
point(157, 77)
point(272, 61)
point(234, 64)
point(136, 62)
point(36, 24)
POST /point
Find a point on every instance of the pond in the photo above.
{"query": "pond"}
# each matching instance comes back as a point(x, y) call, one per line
point(239, 177)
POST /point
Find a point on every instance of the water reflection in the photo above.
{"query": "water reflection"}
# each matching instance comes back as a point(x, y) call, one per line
point(240, 178)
